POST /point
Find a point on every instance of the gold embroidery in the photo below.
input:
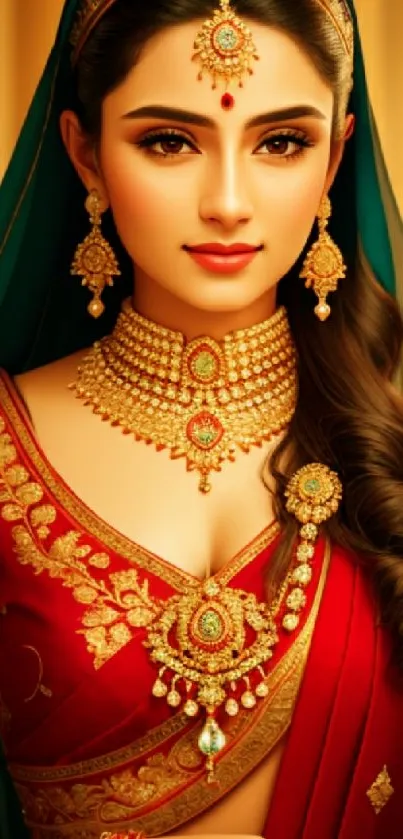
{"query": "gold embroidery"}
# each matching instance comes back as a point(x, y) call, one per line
point(122, 794)
point(380, 791)
point(126, 603)
point(114, 606)
point(105, 533)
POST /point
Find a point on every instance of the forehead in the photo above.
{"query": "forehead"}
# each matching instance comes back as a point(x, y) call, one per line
point(166, 75)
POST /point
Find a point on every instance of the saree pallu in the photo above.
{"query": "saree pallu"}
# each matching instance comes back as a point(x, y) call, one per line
point(88, 746)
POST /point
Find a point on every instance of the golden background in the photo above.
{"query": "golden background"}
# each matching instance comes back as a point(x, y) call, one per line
point(27, 29)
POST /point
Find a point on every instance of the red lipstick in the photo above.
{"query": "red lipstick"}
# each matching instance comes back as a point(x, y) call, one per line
point(223, 259)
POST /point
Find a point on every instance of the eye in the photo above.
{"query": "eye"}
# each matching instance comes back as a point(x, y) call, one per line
point(284, 145)
point(170, 143)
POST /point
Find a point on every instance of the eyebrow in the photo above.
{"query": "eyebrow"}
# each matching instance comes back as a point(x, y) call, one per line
point(191, 118)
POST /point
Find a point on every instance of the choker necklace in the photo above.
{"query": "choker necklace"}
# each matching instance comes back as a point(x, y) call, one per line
point(202, 399)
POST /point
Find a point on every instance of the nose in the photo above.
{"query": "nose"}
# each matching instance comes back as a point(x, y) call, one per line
point(225, 197)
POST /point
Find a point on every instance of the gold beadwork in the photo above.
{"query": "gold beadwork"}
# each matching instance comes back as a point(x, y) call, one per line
point(324, 265)
point(202, 400)
point(313, 496)
point(94, 259)
point(224, 47)
point(212, 643)
point(380, 791)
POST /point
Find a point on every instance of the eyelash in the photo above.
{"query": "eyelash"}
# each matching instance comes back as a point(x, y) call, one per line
point(153, 138)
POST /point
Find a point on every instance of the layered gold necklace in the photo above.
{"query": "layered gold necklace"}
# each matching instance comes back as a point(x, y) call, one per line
point(203, 399)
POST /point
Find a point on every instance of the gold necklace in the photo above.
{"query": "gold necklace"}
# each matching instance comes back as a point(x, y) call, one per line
point(200, 399)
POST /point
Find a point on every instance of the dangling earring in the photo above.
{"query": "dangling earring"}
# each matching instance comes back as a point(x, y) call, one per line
point(324, 265)
point(94, 259)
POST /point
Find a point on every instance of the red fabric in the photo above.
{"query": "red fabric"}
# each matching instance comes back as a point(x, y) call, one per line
point(347, 725)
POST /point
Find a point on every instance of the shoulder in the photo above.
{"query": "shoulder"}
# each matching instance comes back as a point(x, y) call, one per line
point(53, 379)
point(40, 391)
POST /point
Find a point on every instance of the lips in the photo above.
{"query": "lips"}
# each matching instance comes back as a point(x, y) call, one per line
point(223, 250)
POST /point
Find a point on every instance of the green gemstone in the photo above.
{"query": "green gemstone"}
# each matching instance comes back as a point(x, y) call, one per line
point(212, 739)
point(206, 436)
point(205, 365)
point(227, 38)
point(210, 626)
point(312, 486)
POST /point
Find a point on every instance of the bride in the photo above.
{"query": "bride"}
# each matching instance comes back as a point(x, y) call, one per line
point(201, 448)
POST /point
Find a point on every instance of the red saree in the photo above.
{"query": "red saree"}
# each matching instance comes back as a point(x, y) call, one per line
point(90, 749)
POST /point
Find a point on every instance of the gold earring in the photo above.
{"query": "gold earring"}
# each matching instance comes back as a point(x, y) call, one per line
point(324, 265)
point(94, 259)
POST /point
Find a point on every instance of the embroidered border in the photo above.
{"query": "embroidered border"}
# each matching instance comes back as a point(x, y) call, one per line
point(104, 532)
point(252, 736)
point(115, 603)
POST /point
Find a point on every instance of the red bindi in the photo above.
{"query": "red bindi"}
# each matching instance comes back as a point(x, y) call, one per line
point(227, 101)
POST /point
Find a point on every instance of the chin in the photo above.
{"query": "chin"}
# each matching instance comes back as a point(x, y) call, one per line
point(231, 299)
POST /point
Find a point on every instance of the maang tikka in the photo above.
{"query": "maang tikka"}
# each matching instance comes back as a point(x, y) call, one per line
point(224, 47)
point(94, 259)
point(324, 265)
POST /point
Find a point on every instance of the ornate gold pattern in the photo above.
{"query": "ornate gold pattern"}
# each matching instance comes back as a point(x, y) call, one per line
point(209, 621)
point(83, 802)
point(324, 264)
point(137, 555)
point(117, 603)
point(94, 259)
point(224, 47)
point(202, 400)
point(313, 496)
point(380, 791)
point(91, 12)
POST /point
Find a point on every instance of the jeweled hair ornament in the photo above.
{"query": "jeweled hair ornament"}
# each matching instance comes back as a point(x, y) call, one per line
point(225, 50)
point(91, 11)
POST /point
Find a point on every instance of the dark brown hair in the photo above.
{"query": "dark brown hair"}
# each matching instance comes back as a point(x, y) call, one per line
point(348, 415)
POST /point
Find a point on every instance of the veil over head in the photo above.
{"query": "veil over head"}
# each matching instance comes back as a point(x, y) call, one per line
point(42, 218)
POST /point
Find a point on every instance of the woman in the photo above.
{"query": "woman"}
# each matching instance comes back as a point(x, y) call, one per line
point(156, 674)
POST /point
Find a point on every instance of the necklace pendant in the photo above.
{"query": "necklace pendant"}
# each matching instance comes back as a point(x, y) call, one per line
point(204, 484)
point(211, 741)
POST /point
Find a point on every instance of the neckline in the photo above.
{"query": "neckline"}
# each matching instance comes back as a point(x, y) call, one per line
point(98, 527)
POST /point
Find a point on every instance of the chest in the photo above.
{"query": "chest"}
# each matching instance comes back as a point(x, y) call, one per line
point(152, 499)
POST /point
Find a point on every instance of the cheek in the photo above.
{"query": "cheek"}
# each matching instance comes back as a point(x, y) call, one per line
point(141, 201)
point(294, 202)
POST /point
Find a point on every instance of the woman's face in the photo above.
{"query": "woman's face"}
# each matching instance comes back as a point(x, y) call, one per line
point(249, 175)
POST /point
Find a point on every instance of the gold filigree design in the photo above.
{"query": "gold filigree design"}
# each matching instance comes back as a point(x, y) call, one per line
point(202, 400)
point(224, 47)
point(380, 791)
point(252, 736)
point(116, 604)
point(136, 554)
